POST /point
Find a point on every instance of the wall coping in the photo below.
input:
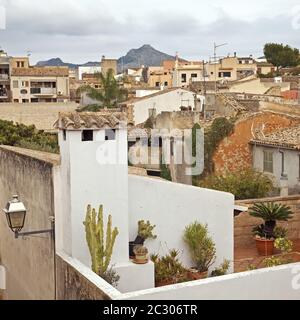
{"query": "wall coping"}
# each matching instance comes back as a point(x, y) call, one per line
point(274, 199)
point(45, 157)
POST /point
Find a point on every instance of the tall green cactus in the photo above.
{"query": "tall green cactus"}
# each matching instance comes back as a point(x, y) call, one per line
point(94, 228)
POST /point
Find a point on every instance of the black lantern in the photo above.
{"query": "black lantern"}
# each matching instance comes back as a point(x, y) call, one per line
point(15, 214)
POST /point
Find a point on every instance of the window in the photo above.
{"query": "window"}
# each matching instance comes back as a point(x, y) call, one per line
point(25, 100)
point(25, 84)
point(87, 135)
point(34, 100)
point(35, 90)
point(259, 70)
point(24, 91)
point(282, 164)
point(268, 161)
point(110, 134)
point(183, 78)
point(194, 75)
point(16, 84)
point(16, 100)
point(166, 83)
point(65, 135)
point(224, 74)
point(157, 84)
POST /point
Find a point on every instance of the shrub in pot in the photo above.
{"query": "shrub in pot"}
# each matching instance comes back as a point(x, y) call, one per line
point(222, 270)
point(168, 269)
point(202, 249)
point(265, 235)
point(145, 232)
point(141, 254)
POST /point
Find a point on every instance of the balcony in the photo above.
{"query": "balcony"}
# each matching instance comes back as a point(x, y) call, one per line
point(43, 91)
point(4, 76)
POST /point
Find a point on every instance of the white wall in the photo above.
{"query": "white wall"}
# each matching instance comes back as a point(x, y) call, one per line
point(144, 93)
point(85, 181)
point(2, 278)
point(171, 207)
point(279, 283)
point(90, 70)
point(168, 101)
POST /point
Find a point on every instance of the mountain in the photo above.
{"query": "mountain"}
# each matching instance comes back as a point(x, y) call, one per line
point(57, 62)
point(146, 55)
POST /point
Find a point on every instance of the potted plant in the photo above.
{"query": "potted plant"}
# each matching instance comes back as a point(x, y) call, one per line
point(202, 249)
point(168, 269)
point(145, 232)
point(141, 255)
point(270, 213)
point(222, 270)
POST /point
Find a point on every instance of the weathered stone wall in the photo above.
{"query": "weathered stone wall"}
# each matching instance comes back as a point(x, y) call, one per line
point(73, 285)
point(234, 152)
point(244, 223)
point(29, 261)
point(42, 115)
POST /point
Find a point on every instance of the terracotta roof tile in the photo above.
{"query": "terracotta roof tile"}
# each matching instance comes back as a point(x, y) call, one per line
point(286, 138)
point(41, 71)
point(91, 120)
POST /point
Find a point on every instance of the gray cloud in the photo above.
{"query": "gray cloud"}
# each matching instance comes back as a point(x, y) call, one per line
point(81, 32)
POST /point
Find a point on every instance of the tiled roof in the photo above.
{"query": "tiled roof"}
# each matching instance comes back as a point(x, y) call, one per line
point(91, 120)
point(41, 71)
point(285, 138)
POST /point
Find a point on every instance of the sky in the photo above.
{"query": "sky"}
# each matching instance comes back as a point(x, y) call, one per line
point(83, 30)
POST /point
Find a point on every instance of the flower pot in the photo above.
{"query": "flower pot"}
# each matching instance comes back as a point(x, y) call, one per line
point(163, 283)
point(265, 247)
point(140, 259)
point(138, 241)
point(194, 274)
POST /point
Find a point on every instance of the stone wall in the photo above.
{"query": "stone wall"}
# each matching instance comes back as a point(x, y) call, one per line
point(244, 223)
point(42, 115)
point(234, 152)
point(73, 285)
point(29, 261)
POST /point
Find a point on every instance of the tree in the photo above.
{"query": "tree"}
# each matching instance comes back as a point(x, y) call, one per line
point(244, 184)
point(281, 56)
point(109, 95)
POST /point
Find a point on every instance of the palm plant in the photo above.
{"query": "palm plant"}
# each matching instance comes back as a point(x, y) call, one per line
point(270, 213)
point(110, 93)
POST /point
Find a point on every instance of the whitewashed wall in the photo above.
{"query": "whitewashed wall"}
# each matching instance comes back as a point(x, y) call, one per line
point(86, 181)
point(171, 207)
point(278, 283)
point(169, 101)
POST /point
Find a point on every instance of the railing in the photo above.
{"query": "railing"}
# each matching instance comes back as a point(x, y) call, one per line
point(4, 76)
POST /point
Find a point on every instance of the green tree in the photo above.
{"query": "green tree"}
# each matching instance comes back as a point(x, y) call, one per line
point(108, 96)
point(281, 55)
point(244, 184)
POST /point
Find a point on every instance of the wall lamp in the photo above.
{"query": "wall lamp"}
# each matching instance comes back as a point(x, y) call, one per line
point(15, 212)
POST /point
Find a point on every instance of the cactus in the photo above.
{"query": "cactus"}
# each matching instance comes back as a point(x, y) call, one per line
point(100, 252)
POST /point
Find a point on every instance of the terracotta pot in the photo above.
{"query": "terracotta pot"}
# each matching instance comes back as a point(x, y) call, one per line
point(164, 283)
point(194, 274)
point(265, 247)
point(141, 259)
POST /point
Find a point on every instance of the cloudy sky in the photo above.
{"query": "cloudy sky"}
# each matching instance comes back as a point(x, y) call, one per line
point(84, 30)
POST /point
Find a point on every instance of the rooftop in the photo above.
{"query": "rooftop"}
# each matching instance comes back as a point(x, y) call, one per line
point(286, 138)
point(41, 71)
point(90, 120)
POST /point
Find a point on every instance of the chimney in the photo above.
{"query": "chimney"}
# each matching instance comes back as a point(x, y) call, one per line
point(235, 54)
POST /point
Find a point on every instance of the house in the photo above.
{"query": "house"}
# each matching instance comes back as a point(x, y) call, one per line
point(87, 70)
point(278, 155)
point(265, 68)
point(107, 64)
point(234, 152)
point(173, 99)
point(186, 73)
point(40, 84)
point(4, 77)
